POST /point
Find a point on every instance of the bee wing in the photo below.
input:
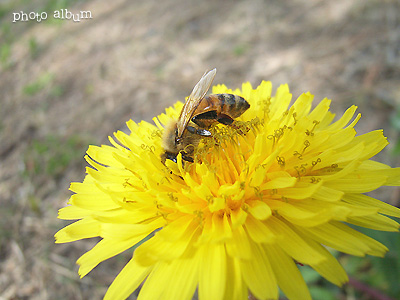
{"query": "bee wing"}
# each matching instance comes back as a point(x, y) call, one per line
point(198, 93)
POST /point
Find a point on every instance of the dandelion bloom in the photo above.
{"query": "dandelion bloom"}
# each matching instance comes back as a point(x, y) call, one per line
point(260, 198)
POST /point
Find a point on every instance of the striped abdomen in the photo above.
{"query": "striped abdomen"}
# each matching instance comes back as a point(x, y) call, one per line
point(221, 108)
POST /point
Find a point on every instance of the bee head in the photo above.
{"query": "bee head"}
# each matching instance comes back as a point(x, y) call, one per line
point(169, 140)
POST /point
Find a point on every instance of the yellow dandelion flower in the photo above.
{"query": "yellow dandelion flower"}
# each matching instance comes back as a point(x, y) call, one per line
point(259, 198)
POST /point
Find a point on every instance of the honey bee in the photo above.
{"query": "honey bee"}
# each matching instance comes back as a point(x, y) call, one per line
point(198, 114)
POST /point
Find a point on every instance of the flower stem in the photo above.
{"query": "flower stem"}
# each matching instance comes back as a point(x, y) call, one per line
point(365, 289)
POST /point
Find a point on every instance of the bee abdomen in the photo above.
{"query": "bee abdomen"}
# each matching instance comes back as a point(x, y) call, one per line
point(232, 105)
point(223, 108)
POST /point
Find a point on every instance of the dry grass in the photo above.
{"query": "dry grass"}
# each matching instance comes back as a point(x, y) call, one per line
point(64, 85)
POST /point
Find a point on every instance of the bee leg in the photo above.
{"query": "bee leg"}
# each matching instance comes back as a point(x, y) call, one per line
point(224, 119)
point(187, 158)
point(202, 132)
point(203, 120)
point(168, 155)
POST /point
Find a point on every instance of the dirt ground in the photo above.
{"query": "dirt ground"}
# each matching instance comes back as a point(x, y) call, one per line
point(65, 85)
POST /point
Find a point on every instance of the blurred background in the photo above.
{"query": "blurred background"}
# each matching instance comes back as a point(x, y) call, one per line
point(65, 84)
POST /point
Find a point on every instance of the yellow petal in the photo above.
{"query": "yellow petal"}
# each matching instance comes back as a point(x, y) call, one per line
point(212, 271)
point(299, 216)
point(259, 231)
point(126, 231)
point(181, 278)
point(216, 204)
point(300, 191)
point(362, 184)
point(320, 110)
point(302, 105)
point(259, 209)
point(99, 201)
point(257, 177)
point(376, 222)
point(175, 230)
point(104, 250)
point(156, 283)
point(328, 194)
point(292, 243)
point(344, 120)
point(279, 183)
point(239, 245)
point(128, 280)
point(72, 213)
point(221, 228)
point(258, 274)
point(82, 229)
point(103, 154)
point(392, 175)
point(374, 142)
point(372, 165)
point(364, 200)
point(132, 216)
point(345, 239)
point(330, 268)
point(157, 248)
point(287, 273)
point(236, 288)
point(281, 101)
point(349, 168)
point(238, 217)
